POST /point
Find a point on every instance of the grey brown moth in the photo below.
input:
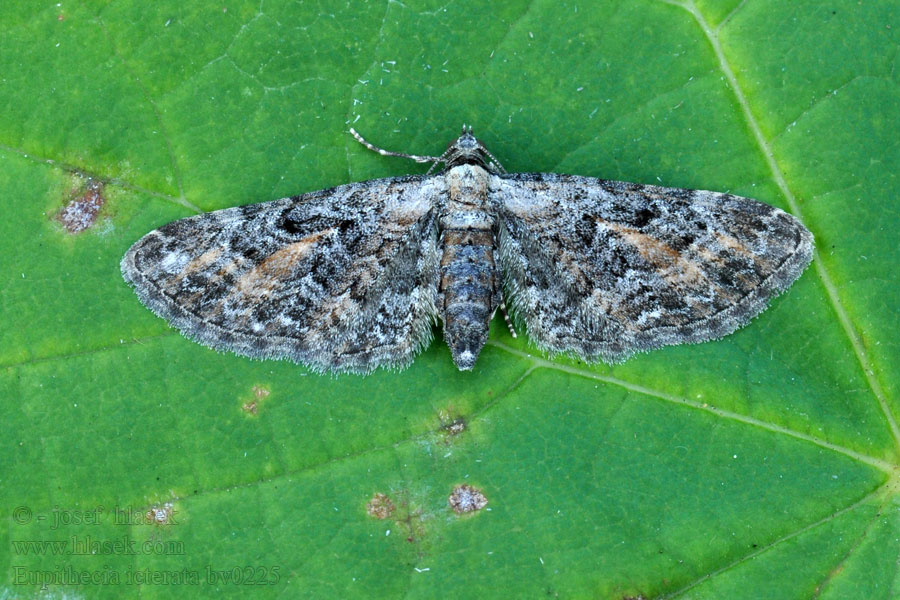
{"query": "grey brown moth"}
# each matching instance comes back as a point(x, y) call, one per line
point(355, 277)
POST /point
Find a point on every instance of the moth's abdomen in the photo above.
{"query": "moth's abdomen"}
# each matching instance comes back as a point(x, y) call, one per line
point(468, 283)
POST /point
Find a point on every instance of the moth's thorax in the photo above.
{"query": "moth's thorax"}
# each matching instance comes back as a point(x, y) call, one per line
point(468, 199)
point(468, 184)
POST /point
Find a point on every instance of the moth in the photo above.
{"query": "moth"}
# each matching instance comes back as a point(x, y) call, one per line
point(355, 277)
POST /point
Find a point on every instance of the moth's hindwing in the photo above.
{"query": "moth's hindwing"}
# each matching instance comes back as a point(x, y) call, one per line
point(603, 269)
point(341, 279)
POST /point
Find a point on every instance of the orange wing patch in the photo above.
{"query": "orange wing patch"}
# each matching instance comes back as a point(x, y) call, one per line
point(671, 265)
point(268, 275)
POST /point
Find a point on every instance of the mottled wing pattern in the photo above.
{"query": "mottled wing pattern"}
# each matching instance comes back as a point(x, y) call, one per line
point(343, 279)
point(603, 269)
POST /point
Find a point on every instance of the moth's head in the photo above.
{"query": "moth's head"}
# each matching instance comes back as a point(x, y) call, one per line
point(467, 150)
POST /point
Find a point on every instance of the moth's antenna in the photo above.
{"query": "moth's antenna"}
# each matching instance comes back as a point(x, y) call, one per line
point(440, 159)
point(495, 162)
point(383, 152)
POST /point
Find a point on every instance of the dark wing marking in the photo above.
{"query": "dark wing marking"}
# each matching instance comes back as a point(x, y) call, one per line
point(603, 269)
point(341, 279)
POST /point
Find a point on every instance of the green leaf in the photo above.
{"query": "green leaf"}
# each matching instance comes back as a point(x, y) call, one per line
point(761, 465)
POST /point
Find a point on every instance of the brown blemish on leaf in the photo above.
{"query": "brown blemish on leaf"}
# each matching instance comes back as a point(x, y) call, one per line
point(455, 427)
point(161, 514)
point(450, 426)
point(260, 393)
point(409, 520)
point(466, 499)
point(380, 506)
point(412, 521)
point(83, 207)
